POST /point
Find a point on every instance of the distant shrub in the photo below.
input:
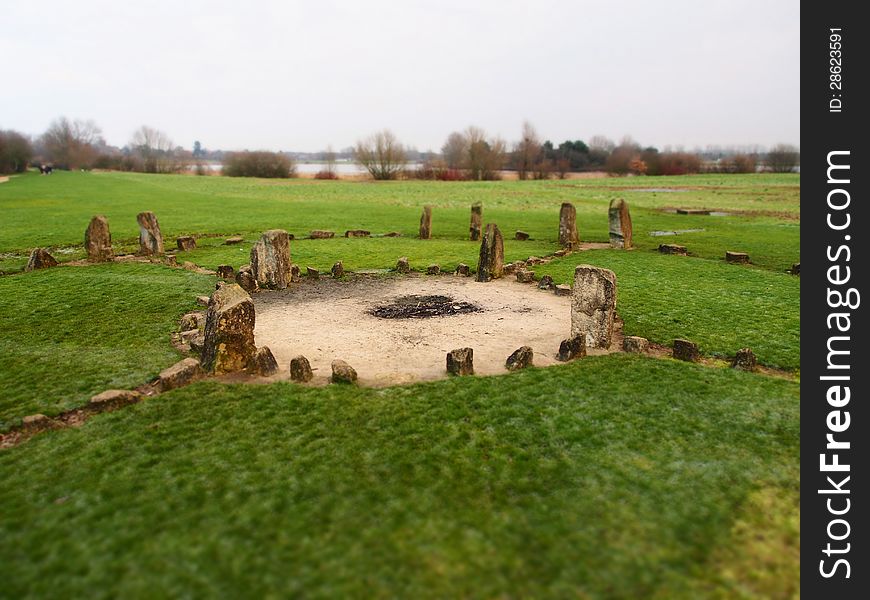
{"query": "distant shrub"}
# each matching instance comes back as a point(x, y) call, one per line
point(258, 164)
point(677, 163)
point(326, 174)
point(15, 152)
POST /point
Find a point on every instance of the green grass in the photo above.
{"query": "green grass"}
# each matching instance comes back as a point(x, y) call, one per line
point(70, 333)
point(614, 477)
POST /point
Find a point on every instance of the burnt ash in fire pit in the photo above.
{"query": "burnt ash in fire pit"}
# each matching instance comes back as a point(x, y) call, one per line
point(422, 307)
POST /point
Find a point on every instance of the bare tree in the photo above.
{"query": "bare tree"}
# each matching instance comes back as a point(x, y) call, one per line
point(455, 151)
point(71, 144)
point(15, 152)
point(485, 156)
point(783, 158)
point(381, 155)
point(527, 153)
point(155, 149)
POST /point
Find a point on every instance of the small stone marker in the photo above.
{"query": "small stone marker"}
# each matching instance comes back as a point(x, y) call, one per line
point(40, 259)
point(392, 234)
point(463, 269)
point(562, 289)
point(312, 272)
point(426, 223)
point(111, 399)
point(150, 238)
point(319, 234)
point(476, 221)
point(740, 258)
point(36, 422)
point(295, 273)
point(460, 361)
point(490, 264)
point(300, 369)
point(745, 360)
point(263, 363)
point(568, 236)
point(686, 350)
point(509, 269)
point(573, 347)
point(236, 239)
point(245, 279)
point(521, 358)
point(192, 320)
point(337, 270)
point(546, 282)
point(171, 260)
point(672, 249)
point(433, 270)
point(185, 243)
point(593, 305)
point(795, 269)
point(526, 276)
point(226, 272)
point(521, 236)
point(342, 372)
point(561, 253)
point(229, 331)
point(357, 233)
point(179, 374)
point(202, 300)
point(692, 211)
point(98, 240)
point(270, 260)
point(620, 224)
point(402, 265)
point(635, 344)
point(534, 260)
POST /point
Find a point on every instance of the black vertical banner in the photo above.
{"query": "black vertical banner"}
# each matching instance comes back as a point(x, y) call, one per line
point(835, 562)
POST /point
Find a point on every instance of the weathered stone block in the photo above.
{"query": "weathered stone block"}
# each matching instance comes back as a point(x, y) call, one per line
point(546, 282)
point(740, 258)
point(672, 249)
point(745, 360)
point(185, 243)
point(620, 224)
point(562, 289)
point(460, 361)
point(686, 350)
point(246, 280)
point(795, 269)
point(319, 234)
point(521, 358)
point(463, 269)
point(357, 233)
point(593, 305)
point(521, 236)
point(180, 374)
point(342, 372)
point(337, 270)
point(490, 264)
point(295, 273)
point(229, 331)
point(635, 344)
point(573, 347)
point(40, 259)
point(433, 270)
point(98, 240)
point(192, 320)
point(150, 238)
point(312, 272)
point(300, 369)
point(236, 239)
point(525, 276)
point(402, 265)
point(263, 362)
point(476, 221)
point(426, 223)
point(111, 399)
point(270, 260)
point(568, 236)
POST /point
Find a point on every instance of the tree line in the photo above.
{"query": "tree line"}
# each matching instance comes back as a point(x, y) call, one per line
point(469, 154)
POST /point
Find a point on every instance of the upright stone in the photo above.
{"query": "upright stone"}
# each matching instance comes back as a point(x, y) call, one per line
point(150, 238)
point(40, 259)
point(490, 265)
point(186, 242)
point(686, 350)
point(745, 360)
point(98, 240)
point(573, 347)
point(270, 259)
point(229, 331)
point(402, 265)
point(263, 362)
point(300, 369)
point(476, 221)
point(460, 361)
point(620, 224)
point(568, 236)
point(426, 223)
point(521, 358)
point(337, 270)
point(593, 305)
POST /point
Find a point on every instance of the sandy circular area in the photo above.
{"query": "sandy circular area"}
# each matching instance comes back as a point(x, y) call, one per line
point(328, 319)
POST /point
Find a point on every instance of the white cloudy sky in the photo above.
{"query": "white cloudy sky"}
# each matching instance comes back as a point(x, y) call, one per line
point(299, 75)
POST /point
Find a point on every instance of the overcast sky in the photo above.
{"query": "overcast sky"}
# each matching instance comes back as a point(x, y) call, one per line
point(285, 75)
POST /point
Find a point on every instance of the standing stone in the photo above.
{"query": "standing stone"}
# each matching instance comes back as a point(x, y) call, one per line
point(403, 266)
point(228, 345)
point(593, 305)
point(185, 242)
point(460, 361)
point(40, 259)
point(98, 240)
point(337, 270)
point(490, 265)
point(686, 350)
point(463, 269)
point(795, 269)
point(476, 221)
point(245, 279)
point(568, 236)
point(545, 283)
point(300, 369)
point(342, 372)
point(426, 223)
point(521, 236)
point(573, 347)
point(312, 272)
point(635, 344)
point(740, 258)
point(270, 259)
point(226, 272)
point(620, 224)
point(150, 238)
point(520, 359)
point(745, 360)
point(295, 273)
point(263, 362)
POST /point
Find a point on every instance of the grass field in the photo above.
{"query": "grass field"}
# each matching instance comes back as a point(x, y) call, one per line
point(612, 477)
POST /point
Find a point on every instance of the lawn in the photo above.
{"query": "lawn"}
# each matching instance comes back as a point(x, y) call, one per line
point(612, 477)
